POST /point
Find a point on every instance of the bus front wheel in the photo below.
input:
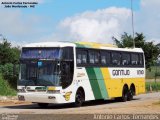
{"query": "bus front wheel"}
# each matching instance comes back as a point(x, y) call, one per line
point(79, 99)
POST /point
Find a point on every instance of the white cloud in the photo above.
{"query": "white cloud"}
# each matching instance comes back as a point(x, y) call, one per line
point(99, 26)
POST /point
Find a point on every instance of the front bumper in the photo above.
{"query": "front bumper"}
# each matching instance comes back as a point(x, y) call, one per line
point(38, 97)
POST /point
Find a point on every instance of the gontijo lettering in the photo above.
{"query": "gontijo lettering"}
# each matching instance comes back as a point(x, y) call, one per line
point(120, 72)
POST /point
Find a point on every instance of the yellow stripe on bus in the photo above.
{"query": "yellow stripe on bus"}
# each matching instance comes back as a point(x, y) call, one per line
point(96, 45)
point(106, 77)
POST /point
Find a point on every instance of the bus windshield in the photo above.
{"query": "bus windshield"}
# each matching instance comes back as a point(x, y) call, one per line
point(39, 73)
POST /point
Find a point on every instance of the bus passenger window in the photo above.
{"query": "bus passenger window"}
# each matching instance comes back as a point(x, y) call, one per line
point(79, 59)
point(91, 57)
point(84, 57)
point(141, 59)
point(96, 56)
point(108, 58)
point(103, 59)
point(134, 58)
point(116, 58)
point(126, 59)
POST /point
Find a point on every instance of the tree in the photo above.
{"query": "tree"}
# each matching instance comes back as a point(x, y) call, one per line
point(151, 51)
point(9, 60)
point(8, 54)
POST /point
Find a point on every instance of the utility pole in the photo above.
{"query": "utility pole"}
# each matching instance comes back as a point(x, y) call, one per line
point(132, 23)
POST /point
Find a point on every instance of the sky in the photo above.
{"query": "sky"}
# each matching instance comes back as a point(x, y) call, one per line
point(79, 20)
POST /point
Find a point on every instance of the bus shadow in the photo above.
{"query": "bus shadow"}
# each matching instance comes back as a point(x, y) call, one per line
point(65, 106)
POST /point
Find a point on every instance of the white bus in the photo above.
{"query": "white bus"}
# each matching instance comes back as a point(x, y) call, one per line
point(68, 72)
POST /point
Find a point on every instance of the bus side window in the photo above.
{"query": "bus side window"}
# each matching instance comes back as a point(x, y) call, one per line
point(134, 58)
point(126, 59)
point(67, 53)
point(105, 58)
point(79, 57)
point(141, 62)
point(91, 57)
point(96, 57)
point(116, 58)
point(84, 57)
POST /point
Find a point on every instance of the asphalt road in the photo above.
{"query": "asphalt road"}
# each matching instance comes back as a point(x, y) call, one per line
point(144, 103)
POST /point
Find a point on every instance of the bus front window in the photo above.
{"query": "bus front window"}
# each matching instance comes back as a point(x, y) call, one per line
point(41, 73)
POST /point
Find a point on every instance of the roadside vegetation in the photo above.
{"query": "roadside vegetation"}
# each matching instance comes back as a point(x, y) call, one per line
point(153, 73)
point(9, 60)
point(152, 86)
point(5, 88)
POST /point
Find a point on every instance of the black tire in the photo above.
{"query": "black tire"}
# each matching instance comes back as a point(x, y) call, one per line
point(124, 94)
point(130, 95)
point(42, 105)
point(79, 99)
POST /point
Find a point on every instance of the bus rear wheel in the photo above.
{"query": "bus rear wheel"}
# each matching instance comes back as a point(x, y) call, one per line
point(42, 105)
point(130, 94)
point(124, 94)
point(79, 99)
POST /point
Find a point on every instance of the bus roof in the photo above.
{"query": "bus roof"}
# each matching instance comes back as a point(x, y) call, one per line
point(50, 44)
point(82, 45)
